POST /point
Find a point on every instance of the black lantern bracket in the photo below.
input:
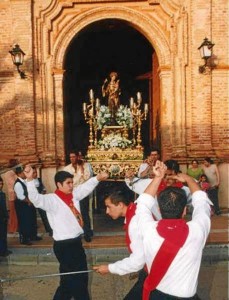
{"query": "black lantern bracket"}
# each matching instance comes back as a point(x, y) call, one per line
point(17, 56)
point(206, 53)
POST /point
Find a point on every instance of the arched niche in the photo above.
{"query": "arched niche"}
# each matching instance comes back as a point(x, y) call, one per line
point(142, 23)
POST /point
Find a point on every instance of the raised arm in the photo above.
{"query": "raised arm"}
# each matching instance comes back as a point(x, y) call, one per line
point(84, 189)
point(159, 171)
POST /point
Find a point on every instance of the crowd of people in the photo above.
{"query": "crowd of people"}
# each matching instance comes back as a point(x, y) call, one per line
point(160, 242)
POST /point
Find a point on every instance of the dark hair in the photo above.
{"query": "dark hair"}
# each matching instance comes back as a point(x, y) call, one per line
point(172, 202)
point(1, 180)
point(195, 160)
point(72, 151)
point(205, 176)
point(209, 160)
point(19, 170)
point(116, 196)
point(172, 164)
point(61, 176)
point(154, 149)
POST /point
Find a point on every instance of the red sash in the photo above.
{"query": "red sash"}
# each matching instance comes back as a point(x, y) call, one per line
point(174, 232)
point(67, 198)
point(131, 208)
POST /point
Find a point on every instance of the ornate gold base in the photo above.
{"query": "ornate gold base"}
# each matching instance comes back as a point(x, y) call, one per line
point(115, 161)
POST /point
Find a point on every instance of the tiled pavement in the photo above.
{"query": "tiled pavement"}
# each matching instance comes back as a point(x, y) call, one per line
point(108, 243)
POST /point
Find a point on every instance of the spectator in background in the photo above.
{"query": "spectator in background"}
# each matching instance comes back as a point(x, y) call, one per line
point(82, 171)
point(203, 183)
point(10, 178)
point(146, 168)
point(3, 223)
point(41, 189)
point(194, 170)
point(26, 212)
point(212, 173)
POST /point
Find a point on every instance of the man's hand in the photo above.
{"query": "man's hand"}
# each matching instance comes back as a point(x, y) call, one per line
point(159, 169)
point(28, 171)
point(102, 269)
point(181, 177)
point(192, 184)
point(102, 176)
point(129, 174)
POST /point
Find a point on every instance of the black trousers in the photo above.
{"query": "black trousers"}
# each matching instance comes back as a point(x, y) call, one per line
point(136, 292)
point(213, 196)
point(158, 295)
point(45, 221)
point(72, 258)
point(27, 220)
point(3, 236)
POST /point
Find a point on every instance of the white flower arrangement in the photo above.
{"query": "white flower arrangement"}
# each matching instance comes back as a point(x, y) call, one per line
point(103, 116)
point(124, 117)
point(114, 141)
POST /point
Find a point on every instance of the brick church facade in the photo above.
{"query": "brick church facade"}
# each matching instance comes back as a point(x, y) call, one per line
point(189, 110)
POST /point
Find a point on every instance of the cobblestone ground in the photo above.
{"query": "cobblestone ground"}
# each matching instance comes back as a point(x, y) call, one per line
point(213, 283)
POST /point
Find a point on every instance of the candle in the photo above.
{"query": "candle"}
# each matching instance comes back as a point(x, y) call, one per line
point(139, 97)
point(84, 106)
point(91, 94)
point(97, 103)
point(131, 102)
point(146, 108)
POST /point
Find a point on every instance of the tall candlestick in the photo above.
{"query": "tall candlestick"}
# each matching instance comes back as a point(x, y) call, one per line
point(91, 94)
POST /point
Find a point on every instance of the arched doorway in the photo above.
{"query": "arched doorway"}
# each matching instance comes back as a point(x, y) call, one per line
point(99, 48)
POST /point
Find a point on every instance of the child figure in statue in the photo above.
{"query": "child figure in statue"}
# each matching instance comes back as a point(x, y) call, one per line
point(112, 90)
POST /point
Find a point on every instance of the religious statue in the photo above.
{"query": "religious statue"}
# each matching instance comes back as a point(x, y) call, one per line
point(112, 90)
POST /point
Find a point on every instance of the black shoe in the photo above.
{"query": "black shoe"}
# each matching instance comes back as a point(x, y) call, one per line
point(218, 213)
point(87, 238)
point(37, 238)
point(6, 253)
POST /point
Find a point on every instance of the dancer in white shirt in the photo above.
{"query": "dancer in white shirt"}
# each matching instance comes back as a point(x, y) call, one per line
point(63, 212)
point(172, 247)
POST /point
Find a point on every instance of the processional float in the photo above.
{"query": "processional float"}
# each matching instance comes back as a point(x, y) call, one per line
point(115, 143)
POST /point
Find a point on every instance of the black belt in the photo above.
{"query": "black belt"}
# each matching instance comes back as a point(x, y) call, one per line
point(158, 295)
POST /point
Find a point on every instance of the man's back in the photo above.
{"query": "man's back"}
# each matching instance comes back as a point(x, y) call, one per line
point(181, 277)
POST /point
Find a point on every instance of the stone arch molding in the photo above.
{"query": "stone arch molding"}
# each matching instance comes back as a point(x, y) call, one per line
point(141, 22)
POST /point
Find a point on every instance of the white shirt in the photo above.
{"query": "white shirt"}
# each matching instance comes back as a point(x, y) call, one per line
point(138, 187)
point(136, 260)
point(61, 219)
point(142, 168)
point(211, 174)
point(18, 189)
point(79, 176)
point(181, 277)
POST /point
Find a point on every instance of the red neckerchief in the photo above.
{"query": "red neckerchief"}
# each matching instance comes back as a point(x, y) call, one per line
point(174, 232)
point(67, 198)
point(163, 185)
point(130, 212)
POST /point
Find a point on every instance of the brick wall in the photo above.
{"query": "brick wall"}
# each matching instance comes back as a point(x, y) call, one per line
point(196, 126)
